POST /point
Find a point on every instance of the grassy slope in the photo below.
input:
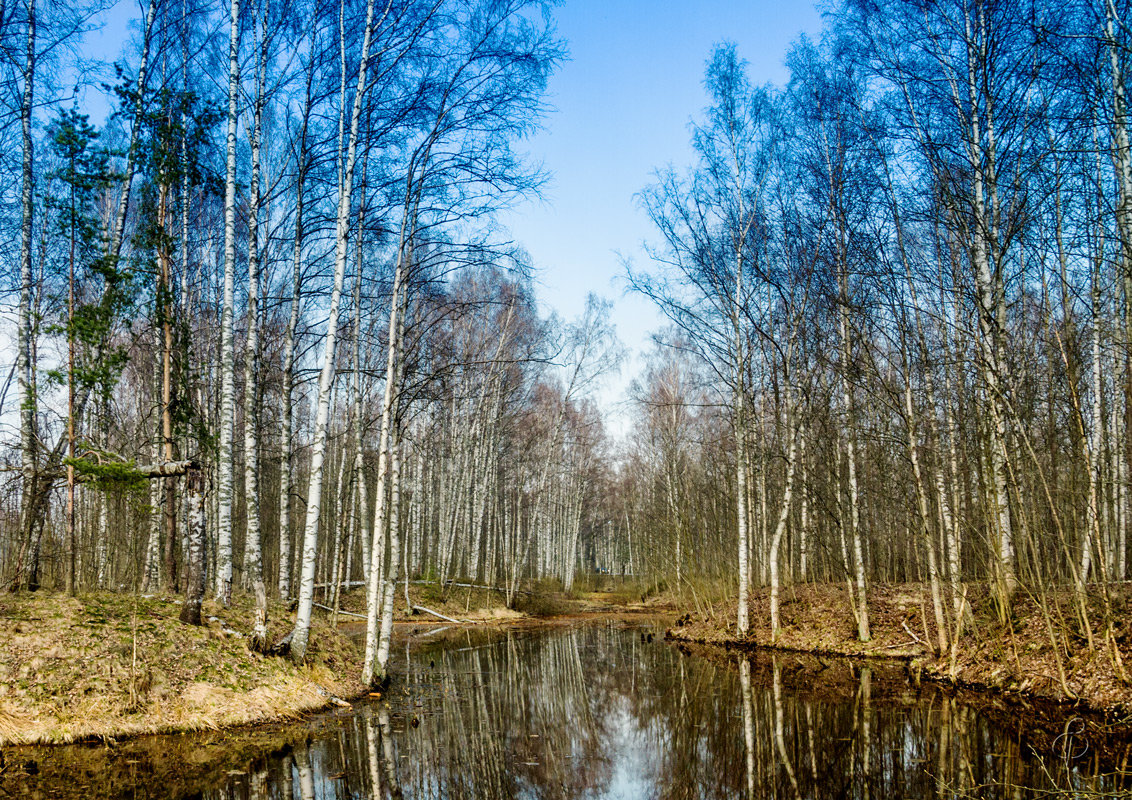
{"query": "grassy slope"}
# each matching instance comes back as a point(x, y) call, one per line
point(110, 665)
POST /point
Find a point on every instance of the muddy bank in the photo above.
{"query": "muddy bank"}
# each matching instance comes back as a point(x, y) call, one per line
point(1054, 678)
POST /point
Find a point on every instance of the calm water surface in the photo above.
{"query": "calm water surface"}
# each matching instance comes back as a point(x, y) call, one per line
point(603, 710)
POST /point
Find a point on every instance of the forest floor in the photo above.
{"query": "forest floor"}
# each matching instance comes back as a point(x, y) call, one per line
point(105, 666)
point(1022, 656)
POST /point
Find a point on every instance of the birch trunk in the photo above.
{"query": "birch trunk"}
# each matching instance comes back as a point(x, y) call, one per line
point(226, 455)
point(288, 388)
point(924, 515)
point(194, 557)
point(991, 302)
point(152, 571)
point(253, 550)
point(1122, 156)
point(380, 523)
point(748, 726)
point(379, 672)
point(780, 528)
point(362, 502)
point(850, 442)
point(25, 376)
point(804, 512)
point(326, 377)
point(165, 317)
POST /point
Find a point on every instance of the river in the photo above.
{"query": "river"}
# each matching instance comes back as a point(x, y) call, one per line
point(600, 710)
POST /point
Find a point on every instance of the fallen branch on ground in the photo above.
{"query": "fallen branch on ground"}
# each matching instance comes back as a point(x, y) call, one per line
point(437, 614)
point(340, 611)
point(907, 630)
point(333, 698)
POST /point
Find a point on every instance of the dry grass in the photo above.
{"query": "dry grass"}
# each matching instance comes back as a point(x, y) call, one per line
point(1017, 657)
point(107, 665)
point(816, 619)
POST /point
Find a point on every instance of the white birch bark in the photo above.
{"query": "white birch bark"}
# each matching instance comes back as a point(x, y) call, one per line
point(227, 339)
point(748, 726)
point(380, 525)
point(326, 376)
point(1122, 157)
point(194, 557)
point(253, 551)
point(924, 514)
point(991, 302)
point(288, 389)
point(850, 443)
point(804, 511)
point(361, 487)
point(25, 377)
point(394, 556)
point(780, 524)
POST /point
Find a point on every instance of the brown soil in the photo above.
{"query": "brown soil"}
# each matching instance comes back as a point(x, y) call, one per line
point(1013, 658)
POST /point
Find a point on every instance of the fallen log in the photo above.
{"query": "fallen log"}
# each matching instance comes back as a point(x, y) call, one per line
point(437, 614)
point(167, 469)
point(333, 698)
point(340, 611)
point(448, 584)
point(344, 584)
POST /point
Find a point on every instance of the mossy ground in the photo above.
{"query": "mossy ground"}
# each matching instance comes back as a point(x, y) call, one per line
point(107, 665)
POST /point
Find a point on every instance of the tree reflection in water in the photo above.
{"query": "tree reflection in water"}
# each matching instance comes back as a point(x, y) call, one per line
point(602, 711)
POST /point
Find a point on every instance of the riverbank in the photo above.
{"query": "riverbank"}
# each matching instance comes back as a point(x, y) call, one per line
point(1017, 659)
point(106, 666)
point(109, 666)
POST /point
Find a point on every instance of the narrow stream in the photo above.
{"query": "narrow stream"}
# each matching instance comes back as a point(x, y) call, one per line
point(598, 710)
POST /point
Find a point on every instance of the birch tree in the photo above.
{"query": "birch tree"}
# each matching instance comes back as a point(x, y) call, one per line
point(326, 375)
point(226, 458)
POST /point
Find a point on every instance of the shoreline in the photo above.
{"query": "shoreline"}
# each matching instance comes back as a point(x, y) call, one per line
point(103, 667)
point(1011, 667)
point(211, 682)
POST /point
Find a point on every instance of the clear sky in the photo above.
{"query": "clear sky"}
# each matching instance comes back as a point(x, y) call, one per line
point(622, 107)
point(623, 104)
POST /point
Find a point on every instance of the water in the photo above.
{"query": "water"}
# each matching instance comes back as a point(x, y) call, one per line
point(601, 710)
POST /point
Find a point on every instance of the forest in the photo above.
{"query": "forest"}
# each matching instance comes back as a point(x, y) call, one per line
point(272, 339)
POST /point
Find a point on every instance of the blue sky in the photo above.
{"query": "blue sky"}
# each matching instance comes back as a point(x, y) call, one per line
point(622, 107)
point(623, 103)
